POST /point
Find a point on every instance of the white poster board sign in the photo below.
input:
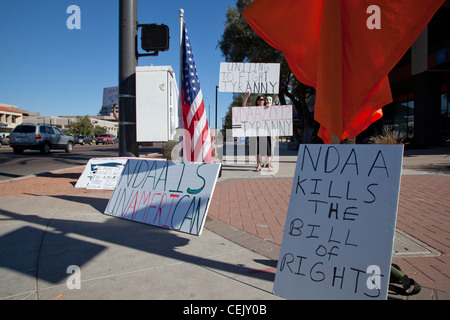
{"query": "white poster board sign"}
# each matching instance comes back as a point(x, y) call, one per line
point(274, 121)
point(167, 194)
point(340, 225)
point(261, 78)
point(105, 178)
point(101, 173)
point(110, 96)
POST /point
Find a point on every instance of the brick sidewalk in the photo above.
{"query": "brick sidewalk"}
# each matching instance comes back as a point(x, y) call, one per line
point(424, 213)
point(259, 207)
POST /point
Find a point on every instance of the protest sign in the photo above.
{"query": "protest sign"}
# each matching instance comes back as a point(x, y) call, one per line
point(171, 195)
point(340, 225)
point(105, 177)
point(262, 121)
point(110, 96)
point(101, 173)
point(261, 78)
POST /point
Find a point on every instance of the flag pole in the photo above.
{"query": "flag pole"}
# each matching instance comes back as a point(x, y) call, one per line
point(181, 44)
point(180, 112)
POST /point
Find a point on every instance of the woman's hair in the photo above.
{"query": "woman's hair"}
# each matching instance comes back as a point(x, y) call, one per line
point(258, 98)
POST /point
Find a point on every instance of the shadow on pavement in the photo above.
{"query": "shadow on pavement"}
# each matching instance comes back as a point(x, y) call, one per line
point(45, 252)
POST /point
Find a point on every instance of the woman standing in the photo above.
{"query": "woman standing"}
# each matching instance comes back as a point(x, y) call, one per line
point(260, 102)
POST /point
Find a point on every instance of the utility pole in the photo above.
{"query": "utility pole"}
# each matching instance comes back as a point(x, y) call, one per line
point(217, 88)
point(128, 146)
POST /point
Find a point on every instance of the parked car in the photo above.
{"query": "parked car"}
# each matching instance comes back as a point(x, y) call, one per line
point(83, 140)
point(39, 137)
point(105, 138)
point(4, 141)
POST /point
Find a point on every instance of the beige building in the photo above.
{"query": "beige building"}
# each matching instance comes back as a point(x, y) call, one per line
point(64, 122)
point(11, 116)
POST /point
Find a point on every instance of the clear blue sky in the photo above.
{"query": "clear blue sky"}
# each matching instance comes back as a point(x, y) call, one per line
point(47, 68)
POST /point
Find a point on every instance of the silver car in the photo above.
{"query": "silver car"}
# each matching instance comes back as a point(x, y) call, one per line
point(39, 137)
point(83, 140)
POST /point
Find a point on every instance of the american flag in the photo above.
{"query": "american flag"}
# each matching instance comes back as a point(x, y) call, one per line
point(196, 147)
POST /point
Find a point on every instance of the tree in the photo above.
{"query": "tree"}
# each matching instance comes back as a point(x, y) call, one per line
point(237, 102)
point(239, 43)
point(83, 126)
point(98, 130)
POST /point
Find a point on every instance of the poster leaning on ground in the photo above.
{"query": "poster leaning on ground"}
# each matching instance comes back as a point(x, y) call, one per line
point(339, 231)
point(168, 194)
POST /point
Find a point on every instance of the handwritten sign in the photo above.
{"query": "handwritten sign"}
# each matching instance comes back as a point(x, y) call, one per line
point(101, 173)
point(172, 195)
point(253, 77)
point(340, 225)
point(105, 177)
point(262, 121)
point(110, 96)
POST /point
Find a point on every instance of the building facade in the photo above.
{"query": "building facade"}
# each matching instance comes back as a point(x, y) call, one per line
point(107, 111)
point(65, 122)
point(10, 117)
point(420, 85)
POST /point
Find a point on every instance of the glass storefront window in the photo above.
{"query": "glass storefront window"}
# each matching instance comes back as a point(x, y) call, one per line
point(401, 119)
point(410, 119)
point(445, 120)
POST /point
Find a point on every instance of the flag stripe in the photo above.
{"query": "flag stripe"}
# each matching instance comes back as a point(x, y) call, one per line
point(194, 108)
point(196, 145)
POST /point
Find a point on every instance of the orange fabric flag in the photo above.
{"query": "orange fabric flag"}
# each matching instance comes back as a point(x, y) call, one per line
point(344, 49)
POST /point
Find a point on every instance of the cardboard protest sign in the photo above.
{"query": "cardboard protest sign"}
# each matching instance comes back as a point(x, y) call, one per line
point(340, 225)
point(261, 78)
point(172, 195)
point(101, 173)
point(110, 96)
point(105, 178)
point(262, 121)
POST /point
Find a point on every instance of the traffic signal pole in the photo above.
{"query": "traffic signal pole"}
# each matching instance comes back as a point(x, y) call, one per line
point(128, 146)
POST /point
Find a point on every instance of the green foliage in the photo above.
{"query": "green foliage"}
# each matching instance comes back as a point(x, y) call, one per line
point(98, 130)
point(387, 137)
point(167, 148)
point(237, 102)
point(82, 126)
point(239, 43)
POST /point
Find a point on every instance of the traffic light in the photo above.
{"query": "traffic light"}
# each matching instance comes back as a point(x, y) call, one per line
point(155, 37)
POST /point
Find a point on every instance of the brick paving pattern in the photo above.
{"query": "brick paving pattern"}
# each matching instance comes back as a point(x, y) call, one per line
point(259, 207)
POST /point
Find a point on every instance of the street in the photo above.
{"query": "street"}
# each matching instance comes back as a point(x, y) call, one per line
point(32, 162)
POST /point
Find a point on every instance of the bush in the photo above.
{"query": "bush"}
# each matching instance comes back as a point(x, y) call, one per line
point(170, 150)
point(387, 137)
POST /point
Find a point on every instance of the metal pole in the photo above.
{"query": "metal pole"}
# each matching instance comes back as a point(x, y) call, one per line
point(128, 146)
point(181, 130)
point(217, 88)
point(215, 133)
point(181, 58)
